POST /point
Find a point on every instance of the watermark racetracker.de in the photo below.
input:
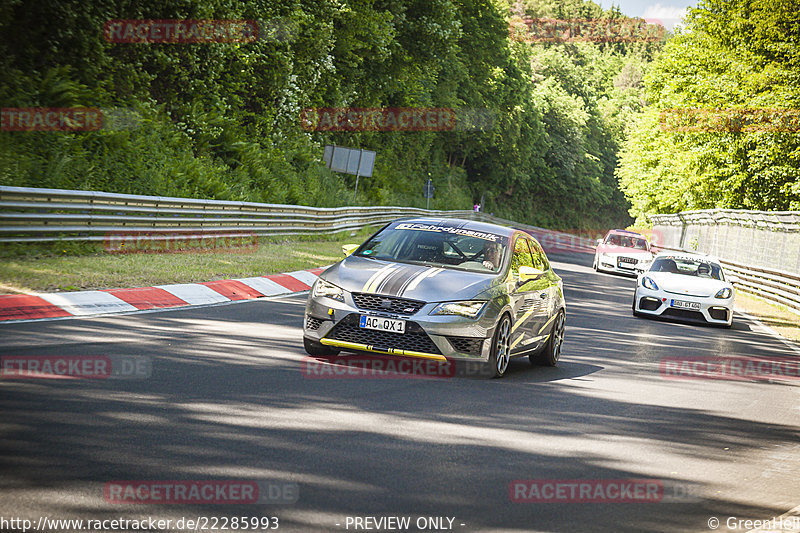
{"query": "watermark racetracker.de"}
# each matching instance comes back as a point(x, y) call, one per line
point(619, 30)
point(194, 31)
point(751, 368)
point(730, 120)
point(602, 491)
point(367, 366)
point(201, 492)
point(13, 367)
point(180, 241)
point(388, 119)
point(68, 119)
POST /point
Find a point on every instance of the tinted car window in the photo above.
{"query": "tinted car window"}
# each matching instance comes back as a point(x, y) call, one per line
point(539, 257)
point(687, 267)
point(437, 245)
point(522, 255)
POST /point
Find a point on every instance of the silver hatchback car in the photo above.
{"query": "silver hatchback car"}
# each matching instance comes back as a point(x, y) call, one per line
point(442, 289)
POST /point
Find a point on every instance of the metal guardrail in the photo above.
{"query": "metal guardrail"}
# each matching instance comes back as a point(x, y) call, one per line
point(761, 248)
point(40, 215)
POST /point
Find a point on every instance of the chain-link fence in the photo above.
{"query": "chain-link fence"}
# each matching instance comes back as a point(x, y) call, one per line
point(761, 247)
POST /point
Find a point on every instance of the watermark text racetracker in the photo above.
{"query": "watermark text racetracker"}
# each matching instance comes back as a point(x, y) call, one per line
point(388, 367)
point(75, 367)
point(731, 368)
point(164, 242)
point(601, 491)
point(193, 31)
point(201, 492)
point(730, 120)
point(387, 119)
point(622, 30)
point(67, 119)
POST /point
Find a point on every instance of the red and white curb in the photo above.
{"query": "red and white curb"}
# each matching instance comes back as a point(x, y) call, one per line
point(23, 307)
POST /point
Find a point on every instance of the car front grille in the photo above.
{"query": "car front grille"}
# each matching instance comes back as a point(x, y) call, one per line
point(684, 313)
point(469, 345)
point(718, 313)
point(414, 339)
point(313, 324)
point(387, 304)
point(649, 304)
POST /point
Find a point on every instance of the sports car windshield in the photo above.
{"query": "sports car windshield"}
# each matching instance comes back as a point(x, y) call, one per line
point(627, 241)
point(688, 267)
point(436, 245)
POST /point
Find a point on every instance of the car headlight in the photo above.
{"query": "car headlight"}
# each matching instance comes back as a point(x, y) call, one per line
point(724, 293)
point(469, 309)
point(329, 290)
point(649, 284)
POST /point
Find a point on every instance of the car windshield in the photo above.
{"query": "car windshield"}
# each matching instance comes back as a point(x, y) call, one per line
point(688, 267)
point(626, 241)
point(437, 245)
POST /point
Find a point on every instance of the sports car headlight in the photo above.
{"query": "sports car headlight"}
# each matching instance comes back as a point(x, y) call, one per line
point(469, 309)
point(649, 284)
point(724, 293)
point(323, 288)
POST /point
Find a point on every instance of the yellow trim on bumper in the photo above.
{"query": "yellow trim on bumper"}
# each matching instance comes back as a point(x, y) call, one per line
point(371, 348)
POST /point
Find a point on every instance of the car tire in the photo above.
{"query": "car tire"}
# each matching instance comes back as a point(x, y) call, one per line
point(317, 349)
point(500, 353)
point(594, 265)
point(551, 353)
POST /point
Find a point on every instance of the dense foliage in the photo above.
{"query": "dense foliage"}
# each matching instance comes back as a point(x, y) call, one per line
point(723, 126)
point(222, 120)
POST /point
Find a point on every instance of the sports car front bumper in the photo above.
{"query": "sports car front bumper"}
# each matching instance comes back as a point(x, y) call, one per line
point(707, 309)
point(619, 263)
point(440, 337)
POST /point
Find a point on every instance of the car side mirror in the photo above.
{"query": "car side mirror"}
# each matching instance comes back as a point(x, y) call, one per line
point(527, 273)
point(599, 241)
point(348, 249)
point(733, 279)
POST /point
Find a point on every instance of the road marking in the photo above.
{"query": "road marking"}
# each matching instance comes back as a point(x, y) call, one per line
point(792, 346)
point(88, 302)
point(194, 294)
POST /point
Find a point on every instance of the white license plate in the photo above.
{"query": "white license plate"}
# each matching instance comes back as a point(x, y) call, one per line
point(685, 305)
point(628, 266)
point(382, 324)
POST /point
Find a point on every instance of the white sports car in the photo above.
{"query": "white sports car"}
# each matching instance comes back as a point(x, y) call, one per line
point(685, 285)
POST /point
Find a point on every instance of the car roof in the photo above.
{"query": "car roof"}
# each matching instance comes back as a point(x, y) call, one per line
point(625, 232)
point(689, 255)
point(461, 223)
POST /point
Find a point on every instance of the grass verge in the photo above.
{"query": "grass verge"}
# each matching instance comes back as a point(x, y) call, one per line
point(77, 267)
point(778, 317)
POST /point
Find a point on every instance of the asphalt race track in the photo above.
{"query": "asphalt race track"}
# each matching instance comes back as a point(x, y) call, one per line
point(226, 399)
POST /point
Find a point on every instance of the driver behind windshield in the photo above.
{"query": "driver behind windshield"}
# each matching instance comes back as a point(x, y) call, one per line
point(491, 255)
